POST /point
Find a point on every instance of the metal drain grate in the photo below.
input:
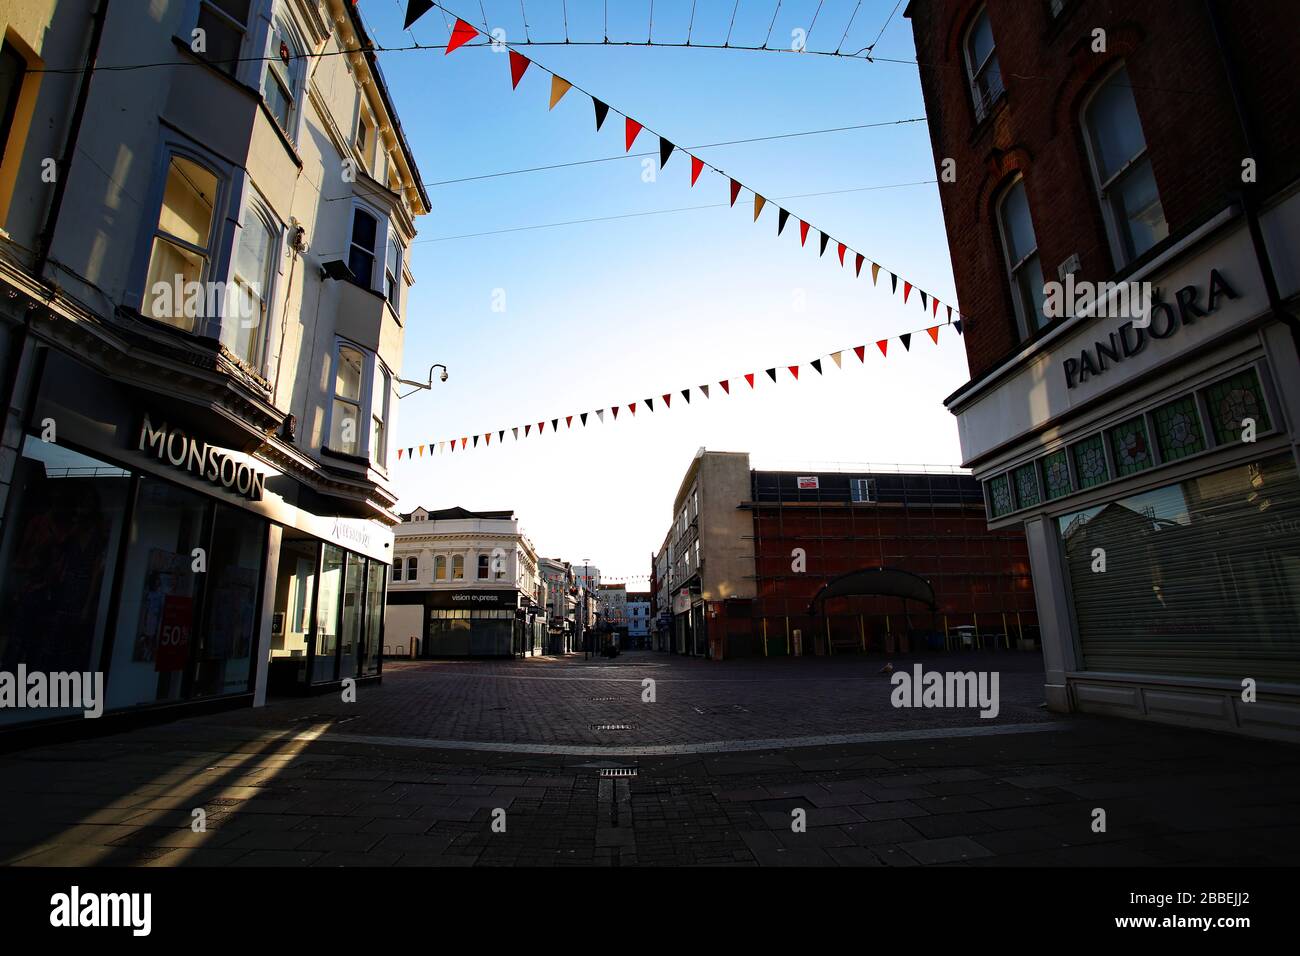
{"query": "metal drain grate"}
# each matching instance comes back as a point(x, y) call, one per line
point(603, 699)
point(611, 726)
point(618, 771)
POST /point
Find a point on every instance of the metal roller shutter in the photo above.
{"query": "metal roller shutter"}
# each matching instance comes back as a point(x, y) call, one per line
point(1202, 578)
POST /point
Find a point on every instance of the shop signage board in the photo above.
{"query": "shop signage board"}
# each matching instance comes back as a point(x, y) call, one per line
point(1051, 382)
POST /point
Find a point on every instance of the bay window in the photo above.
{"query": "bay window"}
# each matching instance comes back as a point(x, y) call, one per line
point(345, 425)
point(224, 24)
point(182, 244)
point(248, 307)
point(361, 252)
point(393, 273)
point(280, 77)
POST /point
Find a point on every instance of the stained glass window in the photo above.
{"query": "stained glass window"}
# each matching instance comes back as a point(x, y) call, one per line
point(1056, 475)
point(1131, 447)
point(1178, 429)
point(1090, 462)
point(1000, 496)
point(1026, 480)
point(1232, 401)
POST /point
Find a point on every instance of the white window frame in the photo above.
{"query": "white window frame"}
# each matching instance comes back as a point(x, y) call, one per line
point(254, 205)
point(455, 558)
point(245, 69)
point(440, 564)
point(867, 492)
point(220, 246)
point(412, 573)
point(391, 240)
point(983, 105)
point(295, 68)
point(1120, 244)
point(374, 370)
point(1024, 316)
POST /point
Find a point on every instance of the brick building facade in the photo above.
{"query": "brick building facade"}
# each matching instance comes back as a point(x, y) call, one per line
point(1148, 451)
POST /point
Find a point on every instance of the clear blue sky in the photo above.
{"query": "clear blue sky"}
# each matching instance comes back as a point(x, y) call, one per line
point(611, 312)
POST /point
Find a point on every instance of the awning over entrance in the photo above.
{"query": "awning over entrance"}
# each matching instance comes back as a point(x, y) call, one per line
point(890, 582)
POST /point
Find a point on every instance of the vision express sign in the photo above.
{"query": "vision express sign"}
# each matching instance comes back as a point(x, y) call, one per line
point(472, 599)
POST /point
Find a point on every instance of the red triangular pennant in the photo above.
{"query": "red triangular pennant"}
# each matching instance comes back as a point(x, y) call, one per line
point(615, 411)
point(541, 427)
point(735, 191)
point(861, 351)
point(858, 268)
point(518, 65)
point(794, 370)
point(668, 400)
point(527, 429)
point(934, 334)
point(842, 248)
point(697, 167)
point(803, 233)
point(907, 290)
point(883, 345)
point(749, 377)
point(463, 441)
point(461, 34)
point(631, 129)
point(568, 421)
point(631, 407)
point(726, 386)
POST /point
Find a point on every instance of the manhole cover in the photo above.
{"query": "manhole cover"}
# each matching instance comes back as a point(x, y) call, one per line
point(611, 726)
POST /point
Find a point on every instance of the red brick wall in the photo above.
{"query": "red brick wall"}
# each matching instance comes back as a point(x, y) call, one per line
point(1048, 68)
point(977, 574)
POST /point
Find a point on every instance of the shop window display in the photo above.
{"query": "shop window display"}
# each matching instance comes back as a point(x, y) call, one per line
point(62, 530)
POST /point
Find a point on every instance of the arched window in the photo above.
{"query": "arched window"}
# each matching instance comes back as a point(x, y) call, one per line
point(1020, 252)
point(982, 69)
point(458, 567)
point(397, 569)
point(482, 566)
point(440, 568)
point(412, 568)
point(280, 78)
point(1121, 166)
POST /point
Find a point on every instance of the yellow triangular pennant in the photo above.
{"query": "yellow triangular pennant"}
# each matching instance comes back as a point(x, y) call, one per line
point(875, 271)
point(835, 357)
point(559, 86)
point(758, 205)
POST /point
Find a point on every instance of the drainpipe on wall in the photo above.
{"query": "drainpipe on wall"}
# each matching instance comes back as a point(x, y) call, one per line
point(1247, 193)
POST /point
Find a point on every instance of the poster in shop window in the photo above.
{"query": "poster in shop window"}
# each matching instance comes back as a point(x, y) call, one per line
point(174, 633)
point(168, 575)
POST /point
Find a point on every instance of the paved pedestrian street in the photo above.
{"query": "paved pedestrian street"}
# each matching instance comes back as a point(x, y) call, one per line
point(560, 761)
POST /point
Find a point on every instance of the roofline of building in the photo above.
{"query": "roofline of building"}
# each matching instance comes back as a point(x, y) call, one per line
point(368, 50)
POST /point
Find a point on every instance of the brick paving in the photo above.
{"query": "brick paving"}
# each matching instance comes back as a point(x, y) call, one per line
point(297, 784)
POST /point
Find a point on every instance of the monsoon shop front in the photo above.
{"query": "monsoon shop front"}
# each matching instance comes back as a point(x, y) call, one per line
point(1153, 466)
point(143, 551)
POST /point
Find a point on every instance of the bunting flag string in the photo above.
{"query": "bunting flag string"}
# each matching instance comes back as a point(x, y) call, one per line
point(905, 338)
point(463, 32)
